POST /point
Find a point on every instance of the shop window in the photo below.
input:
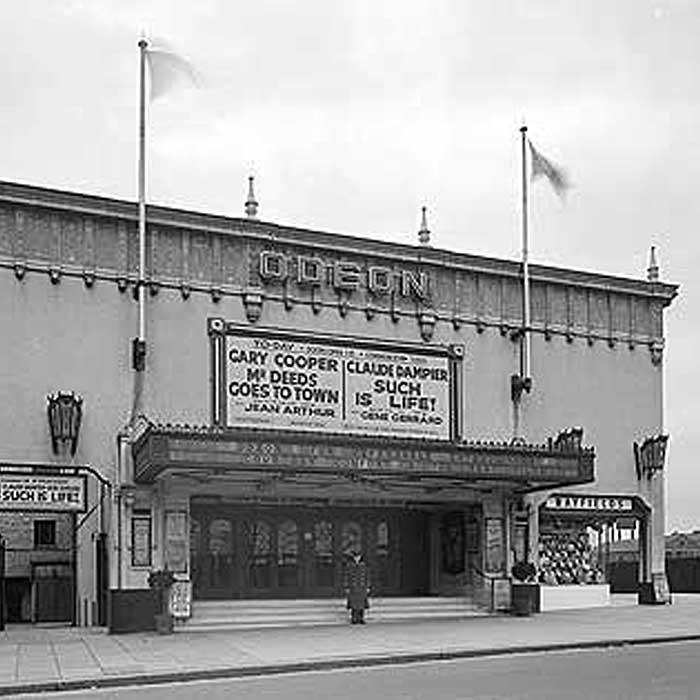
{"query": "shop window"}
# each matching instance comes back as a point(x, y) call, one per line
point(141, 538)
point(567, 556)
point(44, 533)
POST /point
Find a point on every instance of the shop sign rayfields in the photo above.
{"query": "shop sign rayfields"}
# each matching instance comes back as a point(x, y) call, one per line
point(282, 381)
point(613, 504)
point(43, 492)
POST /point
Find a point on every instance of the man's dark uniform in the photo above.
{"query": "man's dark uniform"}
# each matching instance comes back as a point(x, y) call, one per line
point(357, 588)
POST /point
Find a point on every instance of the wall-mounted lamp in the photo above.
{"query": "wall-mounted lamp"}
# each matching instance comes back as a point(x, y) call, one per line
point(518, 385)
point(650, 455)
point(65, 411)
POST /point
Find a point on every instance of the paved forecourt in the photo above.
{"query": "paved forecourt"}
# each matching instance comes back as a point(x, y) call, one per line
point(34, 658)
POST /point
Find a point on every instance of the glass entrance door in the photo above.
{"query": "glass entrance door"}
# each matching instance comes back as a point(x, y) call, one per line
point(295, 552)
point(213, 557)
point(323, 558)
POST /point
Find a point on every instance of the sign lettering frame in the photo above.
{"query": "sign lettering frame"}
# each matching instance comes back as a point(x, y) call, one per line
point(590, 504)
point(410, 389)
point(32, 496)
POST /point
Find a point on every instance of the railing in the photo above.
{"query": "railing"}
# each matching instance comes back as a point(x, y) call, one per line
point(485, 588)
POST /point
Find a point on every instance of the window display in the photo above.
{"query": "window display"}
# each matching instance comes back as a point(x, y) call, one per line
point(568, 557)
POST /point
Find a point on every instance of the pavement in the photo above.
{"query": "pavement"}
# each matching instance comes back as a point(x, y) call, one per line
point(49, 659)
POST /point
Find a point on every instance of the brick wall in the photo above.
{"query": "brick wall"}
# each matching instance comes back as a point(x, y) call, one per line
point(17, 529)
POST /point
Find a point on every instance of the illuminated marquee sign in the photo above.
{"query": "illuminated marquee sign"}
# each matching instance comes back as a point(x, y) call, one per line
point(311, 271)
point(611, 504)
point(43, 492)
point(282, 381)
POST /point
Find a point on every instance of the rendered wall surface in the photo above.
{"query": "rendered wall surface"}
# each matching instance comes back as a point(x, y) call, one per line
point(67, 315)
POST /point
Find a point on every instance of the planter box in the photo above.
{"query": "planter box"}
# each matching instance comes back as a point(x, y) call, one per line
point(164, 623)
point(574, 596)
point(525, 598)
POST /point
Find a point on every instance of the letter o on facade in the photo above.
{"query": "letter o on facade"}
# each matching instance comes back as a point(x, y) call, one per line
point(380, 280)
point(273, 266)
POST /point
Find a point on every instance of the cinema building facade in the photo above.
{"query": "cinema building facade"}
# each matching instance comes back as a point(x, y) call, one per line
point(305, 394)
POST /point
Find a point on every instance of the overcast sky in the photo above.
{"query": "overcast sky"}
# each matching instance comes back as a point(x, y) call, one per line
point(352, 114)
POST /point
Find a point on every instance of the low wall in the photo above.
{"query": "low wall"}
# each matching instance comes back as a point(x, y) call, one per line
point(131, 611)
point(574, 596)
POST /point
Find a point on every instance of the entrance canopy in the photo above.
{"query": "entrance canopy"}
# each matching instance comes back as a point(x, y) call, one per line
point(391, 465)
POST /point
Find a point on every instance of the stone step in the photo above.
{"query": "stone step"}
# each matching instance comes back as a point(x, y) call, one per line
point(251, 614)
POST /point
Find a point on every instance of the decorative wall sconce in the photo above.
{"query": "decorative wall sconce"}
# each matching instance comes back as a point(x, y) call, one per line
point(253, 301)
point(65, 412)
point(656, 350)
point(650, 455)
point(426, 321)
point(128, 495)
point(569, 440)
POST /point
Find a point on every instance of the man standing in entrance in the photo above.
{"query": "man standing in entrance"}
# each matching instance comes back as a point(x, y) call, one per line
point(357, 587)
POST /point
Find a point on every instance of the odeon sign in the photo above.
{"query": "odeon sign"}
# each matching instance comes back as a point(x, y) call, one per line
point(312, 271)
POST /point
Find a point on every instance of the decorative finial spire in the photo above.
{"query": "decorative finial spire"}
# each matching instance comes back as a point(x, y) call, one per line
point(424, 233)
point(251, 205)
point(653, 269)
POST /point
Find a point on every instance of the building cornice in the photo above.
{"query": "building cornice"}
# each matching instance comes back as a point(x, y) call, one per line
point(341, 244)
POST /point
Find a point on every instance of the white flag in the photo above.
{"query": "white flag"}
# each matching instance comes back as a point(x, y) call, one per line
point(169, 70)
point(542, 166)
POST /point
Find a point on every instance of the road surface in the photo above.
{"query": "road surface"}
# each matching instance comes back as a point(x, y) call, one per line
point(660, 671)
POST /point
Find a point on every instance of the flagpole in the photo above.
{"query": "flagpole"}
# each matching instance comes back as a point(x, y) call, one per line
point(140, 345)
point(525, 358)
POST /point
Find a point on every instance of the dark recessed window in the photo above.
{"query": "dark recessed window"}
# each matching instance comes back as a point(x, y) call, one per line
point(44, 533)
